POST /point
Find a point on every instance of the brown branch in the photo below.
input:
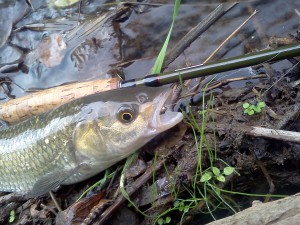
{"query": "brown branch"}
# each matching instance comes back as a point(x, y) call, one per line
point(282, 135)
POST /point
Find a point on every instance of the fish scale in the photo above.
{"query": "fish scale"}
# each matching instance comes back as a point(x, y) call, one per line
point(80, 139)
point(28, 150)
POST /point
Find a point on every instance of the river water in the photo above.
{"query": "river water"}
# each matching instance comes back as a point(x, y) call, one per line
point(126, 49)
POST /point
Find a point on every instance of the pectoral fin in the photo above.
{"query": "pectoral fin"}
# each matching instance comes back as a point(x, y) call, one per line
point(3, 125)
point(51, 181)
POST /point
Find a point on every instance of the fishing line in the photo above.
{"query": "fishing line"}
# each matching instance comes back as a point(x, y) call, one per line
point(276, 82)
point(237, 71)
point(197, 97)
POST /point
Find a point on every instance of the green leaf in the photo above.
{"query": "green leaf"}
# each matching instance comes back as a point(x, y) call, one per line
point(160, 221)
point(251, 112)
point(251, 107)
point(168, 219)
point(161, 56)
point(181, 206)
point(12, 216)
point(228, 170)
point(221, 178)
point(261, 104)
point(186, 209)
point(206, 177)
point(216, 171)
point(176, 203)
point(258, 110)
point(246, 105)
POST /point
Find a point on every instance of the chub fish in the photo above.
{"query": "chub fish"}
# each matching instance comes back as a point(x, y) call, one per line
point(81, 138)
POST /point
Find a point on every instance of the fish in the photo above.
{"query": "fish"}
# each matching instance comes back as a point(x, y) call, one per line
point(81, 138)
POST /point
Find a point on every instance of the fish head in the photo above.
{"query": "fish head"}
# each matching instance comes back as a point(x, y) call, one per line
point(126, 120)
point(136, 122)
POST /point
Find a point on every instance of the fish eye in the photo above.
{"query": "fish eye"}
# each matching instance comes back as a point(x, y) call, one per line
point(126, 114)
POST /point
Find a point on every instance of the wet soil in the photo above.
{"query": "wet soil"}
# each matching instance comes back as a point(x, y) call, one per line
point(127, 48)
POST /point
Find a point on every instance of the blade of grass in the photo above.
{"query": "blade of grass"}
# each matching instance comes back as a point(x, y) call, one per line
point(160, 58)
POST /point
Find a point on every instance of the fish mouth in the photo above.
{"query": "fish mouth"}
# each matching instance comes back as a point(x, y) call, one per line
point(163, 118)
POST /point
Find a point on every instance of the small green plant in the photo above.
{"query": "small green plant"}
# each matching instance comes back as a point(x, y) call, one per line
point(162, 221)
point(252, 109)
point(181, 206)
point(214, 172)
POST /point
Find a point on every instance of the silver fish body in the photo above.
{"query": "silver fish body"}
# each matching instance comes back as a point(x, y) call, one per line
point(81, 138)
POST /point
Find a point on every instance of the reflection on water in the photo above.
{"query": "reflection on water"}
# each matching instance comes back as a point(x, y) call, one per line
point(128, 48)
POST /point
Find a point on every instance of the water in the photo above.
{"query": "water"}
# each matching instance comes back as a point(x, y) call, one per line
point(129, 49)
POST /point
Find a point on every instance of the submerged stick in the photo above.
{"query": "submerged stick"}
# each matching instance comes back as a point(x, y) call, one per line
point(196, 31)
point(229, 37)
